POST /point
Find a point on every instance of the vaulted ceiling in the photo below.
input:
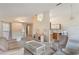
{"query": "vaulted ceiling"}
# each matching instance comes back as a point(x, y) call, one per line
point(24, 9)
point(13, 10)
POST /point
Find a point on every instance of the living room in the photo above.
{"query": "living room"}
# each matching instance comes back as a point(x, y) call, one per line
point(31, 28)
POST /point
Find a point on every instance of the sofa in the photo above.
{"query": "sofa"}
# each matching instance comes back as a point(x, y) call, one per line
point(72, 47)
point(10, 47)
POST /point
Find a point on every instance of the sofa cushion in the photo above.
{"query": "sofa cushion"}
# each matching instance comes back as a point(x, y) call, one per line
point(2, 48)
point(3, 44)
point(70, 51)
point(13, 44)
point(72, 43)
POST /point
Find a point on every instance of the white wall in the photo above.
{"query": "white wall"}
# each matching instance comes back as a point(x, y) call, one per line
point(42, 26)
point(61, 15)
point(0, 30)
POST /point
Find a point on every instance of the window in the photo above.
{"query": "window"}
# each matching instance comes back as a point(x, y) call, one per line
point(5, 30)
point(18, 31)
point(10, 31)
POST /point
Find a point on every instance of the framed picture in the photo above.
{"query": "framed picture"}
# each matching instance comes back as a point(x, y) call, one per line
point(55, 26)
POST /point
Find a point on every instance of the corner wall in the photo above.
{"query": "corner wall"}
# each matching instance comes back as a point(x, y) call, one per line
point(62, 15)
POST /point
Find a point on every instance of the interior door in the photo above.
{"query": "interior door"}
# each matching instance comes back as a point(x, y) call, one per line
point(29, 31)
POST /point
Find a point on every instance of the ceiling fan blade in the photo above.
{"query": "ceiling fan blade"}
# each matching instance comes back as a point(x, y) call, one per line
point(58, 4)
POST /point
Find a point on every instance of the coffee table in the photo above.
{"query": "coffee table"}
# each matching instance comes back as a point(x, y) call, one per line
point(35, 47)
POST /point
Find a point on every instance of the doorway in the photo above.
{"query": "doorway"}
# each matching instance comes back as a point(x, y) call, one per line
point(29, 28)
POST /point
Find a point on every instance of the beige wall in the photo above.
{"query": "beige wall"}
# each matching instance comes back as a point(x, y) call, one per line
point(16, 27)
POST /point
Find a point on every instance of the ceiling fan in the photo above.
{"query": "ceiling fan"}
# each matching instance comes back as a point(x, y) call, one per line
point(58, 4)
point(71, 11)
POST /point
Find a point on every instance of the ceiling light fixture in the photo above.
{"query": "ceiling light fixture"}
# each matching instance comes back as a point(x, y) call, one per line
point(40, 17)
